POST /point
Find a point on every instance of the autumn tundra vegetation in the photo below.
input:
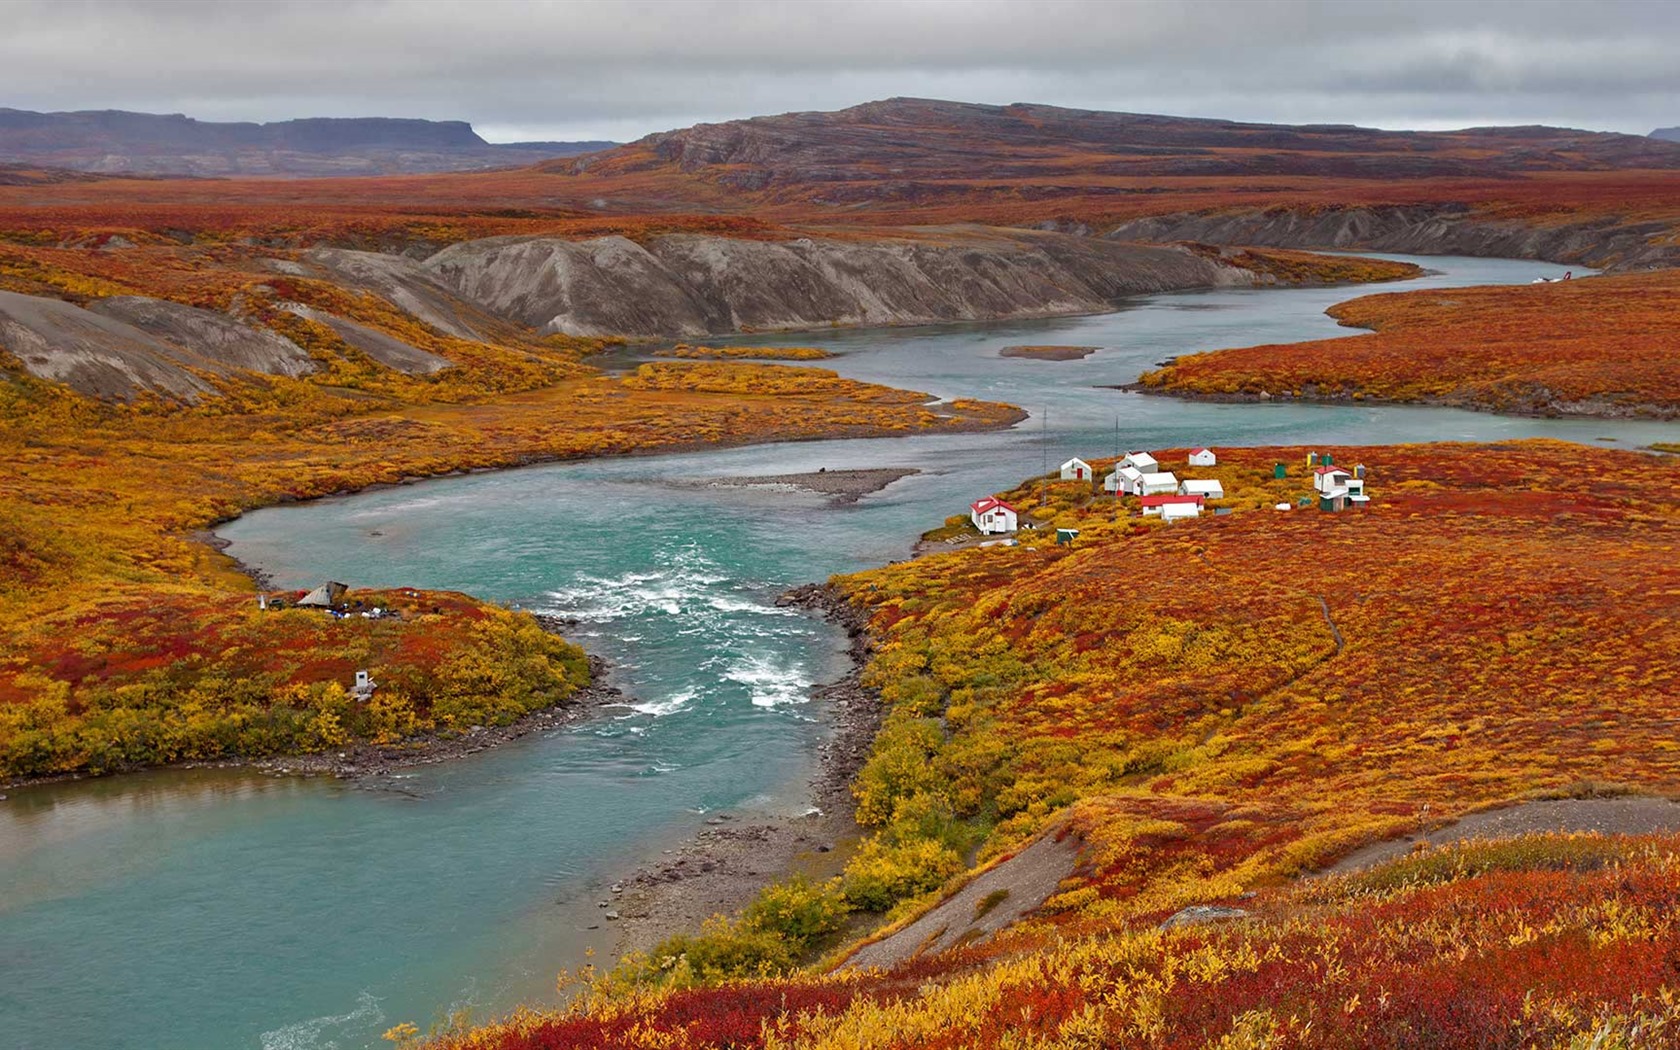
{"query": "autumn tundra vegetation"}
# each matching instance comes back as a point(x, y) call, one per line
point(1210, 710)
point(1214, 710)
point(1601, 347)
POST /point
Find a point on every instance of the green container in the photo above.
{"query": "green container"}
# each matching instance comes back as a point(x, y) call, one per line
point(1329, 460)
point(1279, 471)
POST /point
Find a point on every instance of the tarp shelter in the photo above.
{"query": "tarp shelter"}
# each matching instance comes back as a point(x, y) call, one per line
point(325, 596)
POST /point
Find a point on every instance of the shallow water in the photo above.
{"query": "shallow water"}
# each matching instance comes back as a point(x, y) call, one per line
point(223, 910)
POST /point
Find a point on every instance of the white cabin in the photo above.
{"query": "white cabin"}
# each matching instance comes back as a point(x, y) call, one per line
point(991, 515)
point(1123, 481)
point(1175, 511)
point(1209, 489)
point(1203, 457)
point(1157, 484)
point(1076, 469)
point(1142, 462)
point(1328, 478)
point(1172, 506)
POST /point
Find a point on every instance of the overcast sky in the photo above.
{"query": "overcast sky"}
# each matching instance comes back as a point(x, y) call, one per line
point(618, 70)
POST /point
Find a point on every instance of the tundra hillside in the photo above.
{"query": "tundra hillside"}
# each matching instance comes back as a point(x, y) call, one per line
point(1206, 711)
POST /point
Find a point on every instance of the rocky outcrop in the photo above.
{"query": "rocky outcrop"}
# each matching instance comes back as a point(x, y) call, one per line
point(388, 351)
point(216, 341)
point(694, 285)
point(403, 283)
point(1443, 229)
point(128, 345)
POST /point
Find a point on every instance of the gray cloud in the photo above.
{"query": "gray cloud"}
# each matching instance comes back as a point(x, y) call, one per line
point(591, 70)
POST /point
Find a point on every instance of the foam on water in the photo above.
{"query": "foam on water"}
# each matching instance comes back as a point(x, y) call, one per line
point(324, 1033)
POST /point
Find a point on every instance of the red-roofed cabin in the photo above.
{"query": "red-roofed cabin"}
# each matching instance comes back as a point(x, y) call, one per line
point(1172, 505)
point(1327, 478)
point(992, 515)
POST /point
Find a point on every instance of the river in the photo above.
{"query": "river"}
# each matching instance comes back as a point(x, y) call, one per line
point(222, 910)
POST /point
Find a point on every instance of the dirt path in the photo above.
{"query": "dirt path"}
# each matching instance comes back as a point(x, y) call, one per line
point(998, 897)
point(1607, 816)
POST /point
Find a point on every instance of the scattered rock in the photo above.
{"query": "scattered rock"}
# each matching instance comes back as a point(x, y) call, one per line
point(612, 916)
point(1200, 914)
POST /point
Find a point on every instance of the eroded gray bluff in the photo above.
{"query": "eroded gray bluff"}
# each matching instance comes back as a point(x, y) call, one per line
point(692, 285)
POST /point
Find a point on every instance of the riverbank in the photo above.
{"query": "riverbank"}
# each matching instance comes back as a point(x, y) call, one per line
point(1539, 409)
point(724, 865)
point(1597, 348)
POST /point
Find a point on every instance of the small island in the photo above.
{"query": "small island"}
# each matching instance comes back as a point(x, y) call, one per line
point(1049, 353)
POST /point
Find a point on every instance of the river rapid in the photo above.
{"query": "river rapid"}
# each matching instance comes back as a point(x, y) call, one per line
point(223, 910)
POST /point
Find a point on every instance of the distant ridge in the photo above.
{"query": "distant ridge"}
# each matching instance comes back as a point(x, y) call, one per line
point(908, 146)
point(1667, 134)
point(116, 141)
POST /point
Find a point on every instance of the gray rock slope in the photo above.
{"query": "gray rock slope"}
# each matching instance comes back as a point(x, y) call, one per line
point(1446, 229)
point(694, 285)
point(129, 344)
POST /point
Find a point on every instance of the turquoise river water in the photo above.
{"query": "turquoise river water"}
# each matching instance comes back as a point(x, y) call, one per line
point(221, 910)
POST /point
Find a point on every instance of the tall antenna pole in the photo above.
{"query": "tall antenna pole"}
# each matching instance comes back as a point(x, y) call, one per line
point(1044, 434)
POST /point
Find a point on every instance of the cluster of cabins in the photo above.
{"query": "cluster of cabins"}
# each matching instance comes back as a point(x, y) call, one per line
point(1164, 495)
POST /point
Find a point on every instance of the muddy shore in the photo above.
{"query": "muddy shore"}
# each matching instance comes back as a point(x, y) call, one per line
point(1049, 353)
point(846, 486)
point(724, 865)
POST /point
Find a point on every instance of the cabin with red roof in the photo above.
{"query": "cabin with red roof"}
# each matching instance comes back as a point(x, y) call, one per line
point(1172, 505)
point(991, 515)
point(1203, 457)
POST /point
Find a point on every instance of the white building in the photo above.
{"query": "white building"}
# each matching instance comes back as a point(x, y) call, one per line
point(1157, 484)
point(1142, 462)
point(1076, 469)
point(1203, 457)
point(1327, 478)
point(1208, 489)
point(1172, 505)
point(1123, 481)
point(992, 515)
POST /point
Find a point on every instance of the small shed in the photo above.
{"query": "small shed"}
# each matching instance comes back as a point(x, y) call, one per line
point(1279, 470)
point(1210, 489)
point(325, 596)
point(1327, 478)
point(1065, 537)
point(1123, 480)
point(364, 687)
point(1172, 505)
point(1157, 484)
point(1203, 457)
point(1333, 499)
point(1076, 469)
point(991, 515)
point(1142, 462)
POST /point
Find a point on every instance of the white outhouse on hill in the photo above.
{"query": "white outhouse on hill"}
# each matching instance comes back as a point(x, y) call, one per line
point(1327, 478)
point(992, 515)
point(1203, 457)
point(1076, 469)
point(1123, 481)
point(1157, 484)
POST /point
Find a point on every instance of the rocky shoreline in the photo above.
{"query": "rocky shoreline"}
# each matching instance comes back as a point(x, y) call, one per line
point(723, 866)
point(1539, 409)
